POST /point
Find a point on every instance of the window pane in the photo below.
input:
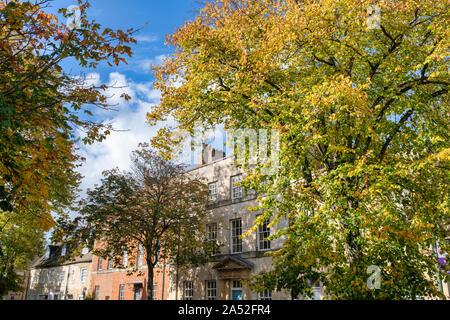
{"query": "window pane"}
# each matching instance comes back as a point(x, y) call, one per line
point(140, 255)
point(62, 275)
point(236, 232)
point(263, 233)
point(125, 258)
point(212, 235)
point(100, 263)
point(188, 288)
point(212, 188)
point(211, 290)
point(121, 292)
point(83, 275)
point(42, 276)
point(265, 295)
point(236, 188)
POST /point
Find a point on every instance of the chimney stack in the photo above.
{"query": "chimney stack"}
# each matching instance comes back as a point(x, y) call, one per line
point(209, 154)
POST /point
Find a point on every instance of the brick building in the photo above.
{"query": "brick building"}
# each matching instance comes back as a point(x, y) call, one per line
point(112, 283)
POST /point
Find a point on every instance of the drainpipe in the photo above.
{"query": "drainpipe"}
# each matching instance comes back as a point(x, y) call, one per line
point(440, 288)
point(163, 280)
point(67, 283)
point(28, 284)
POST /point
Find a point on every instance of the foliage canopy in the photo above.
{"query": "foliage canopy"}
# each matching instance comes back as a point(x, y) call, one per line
point(363, 119)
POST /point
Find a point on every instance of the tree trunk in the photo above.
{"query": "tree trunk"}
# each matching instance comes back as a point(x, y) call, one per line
point(150, 268)
point(176, 283)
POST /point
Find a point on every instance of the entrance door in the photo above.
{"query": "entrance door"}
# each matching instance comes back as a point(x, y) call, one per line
point(137, 292)
point(236, 290)
point(236, 295)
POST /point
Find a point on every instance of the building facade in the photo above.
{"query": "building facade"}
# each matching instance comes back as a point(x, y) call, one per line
point(237, 258)
point(111, 282)
point(21, 294)
point(55, 278)
point(228, 218)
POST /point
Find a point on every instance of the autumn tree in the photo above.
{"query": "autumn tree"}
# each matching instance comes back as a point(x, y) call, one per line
point(358, 92)
point(156, 207)
point(42, 107)
point(20, 243)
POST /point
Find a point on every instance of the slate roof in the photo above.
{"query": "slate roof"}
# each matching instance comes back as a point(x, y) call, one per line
point(57, 260)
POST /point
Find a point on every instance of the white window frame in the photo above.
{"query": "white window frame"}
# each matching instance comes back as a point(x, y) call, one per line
point(236, 284)
point(110, 264)
point(263, 233)
point(265, 295)
point(83, 275)
point(125, 258)
point(62, 275)
point(140, 257)
point(121, 292)
point(315, 290)
point(51, 272)
point(137, 293)
point(72, 275)
point(100, 263)
point(212, 232)
point(42, 276)
point(212, 191)
point(236, 190)
point(235, 233)
point(210, 290)
point(155, 291)
point(96, 292)
point(188, 290)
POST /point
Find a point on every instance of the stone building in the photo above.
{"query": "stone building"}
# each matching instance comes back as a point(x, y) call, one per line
point(53, 277)
point(227, 219)
point(237, 259)
point(21, 294)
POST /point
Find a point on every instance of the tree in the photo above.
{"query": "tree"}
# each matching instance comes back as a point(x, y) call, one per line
point(20, 243)
point(42, 107)
point(156, 207)
point(362, 114)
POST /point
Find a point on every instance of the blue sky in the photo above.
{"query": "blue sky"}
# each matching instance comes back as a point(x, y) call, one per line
point(159, 18)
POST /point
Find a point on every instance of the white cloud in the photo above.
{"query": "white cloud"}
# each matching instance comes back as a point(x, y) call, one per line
point(145, 64)
point(130, 121)
point(146, 38)
point(146, 90)
point(92, 79)
point(117, 86)
point(130, 118)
